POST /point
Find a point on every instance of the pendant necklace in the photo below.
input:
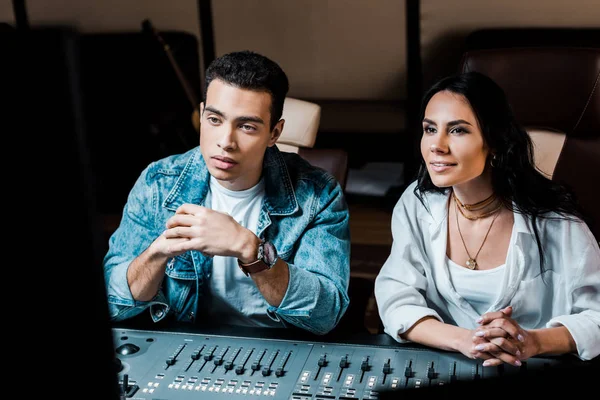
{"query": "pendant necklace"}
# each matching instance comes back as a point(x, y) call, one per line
point(472, 261)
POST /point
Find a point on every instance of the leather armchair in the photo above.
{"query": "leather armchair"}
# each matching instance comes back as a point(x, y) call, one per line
point(555, 94)
point(299, 135)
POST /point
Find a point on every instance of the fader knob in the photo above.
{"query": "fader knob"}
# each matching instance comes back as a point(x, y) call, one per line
point(386, 368)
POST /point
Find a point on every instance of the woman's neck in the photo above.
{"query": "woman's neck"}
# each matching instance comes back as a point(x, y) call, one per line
point(475, 198)
point(473, 192)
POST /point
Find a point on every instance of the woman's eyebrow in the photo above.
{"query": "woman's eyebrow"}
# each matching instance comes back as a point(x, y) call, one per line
point(459, 121)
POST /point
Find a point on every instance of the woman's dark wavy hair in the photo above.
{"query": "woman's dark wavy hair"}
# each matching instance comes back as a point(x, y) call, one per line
point(515, 179)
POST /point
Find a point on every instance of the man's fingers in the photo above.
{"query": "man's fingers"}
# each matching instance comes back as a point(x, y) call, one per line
point(189, 209)
point(181, 220)
point(179, 232)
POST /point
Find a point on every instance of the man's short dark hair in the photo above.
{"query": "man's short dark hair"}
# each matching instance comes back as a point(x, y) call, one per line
point(252, 71)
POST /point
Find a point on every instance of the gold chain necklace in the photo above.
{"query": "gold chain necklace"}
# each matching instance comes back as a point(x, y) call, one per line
point(472, 261)
point(476, 206)
point(476, 217)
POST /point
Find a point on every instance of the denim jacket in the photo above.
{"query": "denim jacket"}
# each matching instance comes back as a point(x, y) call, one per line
point(304, 214)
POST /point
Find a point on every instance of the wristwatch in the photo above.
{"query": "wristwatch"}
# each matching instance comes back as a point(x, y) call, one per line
point(267, 257)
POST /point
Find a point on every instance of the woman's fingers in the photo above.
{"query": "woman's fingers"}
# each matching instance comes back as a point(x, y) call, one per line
point(495, 351)
point(490, 332)
point(500, 327)
point(491, 362)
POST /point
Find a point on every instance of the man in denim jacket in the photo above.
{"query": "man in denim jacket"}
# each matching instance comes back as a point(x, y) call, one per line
point(234, 231)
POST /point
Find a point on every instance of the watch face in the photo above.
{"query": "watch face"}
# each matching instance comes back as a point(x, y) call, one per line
point(267, 257)
point(261, 252)
point(269, 253)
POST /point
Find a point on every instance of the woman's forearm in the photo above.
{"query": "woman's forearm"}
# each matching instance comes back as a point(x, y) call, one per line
point(553, 341)
point(431, 332)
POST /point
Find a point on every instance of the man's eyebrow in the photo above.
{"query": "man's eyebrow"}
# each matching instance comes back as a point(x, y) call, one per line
point(257, 120)
point(251, 119)
point(214, 111)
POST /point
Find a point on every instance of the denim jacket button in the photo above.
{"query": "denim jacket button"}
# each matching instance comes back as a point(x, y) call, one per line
point(170, 264)
point(159, 313)
point(191, 315)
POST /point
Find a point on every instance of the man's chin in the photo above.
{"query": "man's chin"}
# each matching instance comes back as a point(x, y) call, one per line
point(220, 174)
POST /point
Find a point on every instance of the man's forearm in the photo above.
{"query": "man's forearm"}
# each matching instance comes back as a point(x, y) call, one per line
point(273, 283)
point(145, 275)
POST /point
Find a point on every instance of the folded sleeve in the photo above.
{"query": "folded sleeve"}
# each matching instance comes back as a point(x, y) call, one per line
point(135, 233)
point(584, 290)
point(401, 283)
point(317, 294)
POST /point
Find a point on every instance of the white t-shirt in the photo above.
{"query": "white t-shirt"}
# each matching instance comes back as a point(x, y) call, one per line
point(234, 298)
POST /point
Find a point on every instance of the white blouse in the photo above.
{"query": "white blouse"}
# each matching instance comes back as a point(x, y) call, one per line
point(414, 282)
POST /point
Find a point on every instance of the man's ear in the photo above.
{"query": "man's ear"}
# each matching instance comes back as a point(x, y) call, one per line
point(197, 116)
point(276, 132)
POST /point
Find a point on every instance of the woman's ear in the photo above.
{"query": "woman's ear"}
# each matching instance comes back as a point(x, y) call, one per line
point(493, 159)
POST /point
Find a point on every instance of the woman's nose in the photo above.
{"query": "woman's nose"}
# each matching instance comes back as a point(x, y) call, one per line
point(437, 148)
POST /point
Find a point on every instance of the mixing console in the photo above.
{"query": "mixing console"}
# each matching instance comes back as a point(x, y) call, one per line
point(169, 365)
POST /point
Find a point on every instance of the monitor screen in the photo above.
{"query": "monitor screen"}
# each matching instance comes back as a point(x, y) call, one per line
point(57, 275)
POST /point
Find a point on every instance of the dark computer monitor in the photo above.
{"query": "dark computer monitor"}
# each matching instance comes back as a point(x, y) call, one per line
point(58, 282)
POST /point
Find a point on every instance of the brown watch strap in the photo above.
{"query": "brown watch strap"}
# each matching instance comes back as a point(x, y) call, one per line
point(254, 266)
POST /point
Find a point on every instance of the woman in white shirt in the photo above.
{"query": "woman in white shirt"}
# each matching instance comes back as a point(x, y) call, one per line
point(489, 257)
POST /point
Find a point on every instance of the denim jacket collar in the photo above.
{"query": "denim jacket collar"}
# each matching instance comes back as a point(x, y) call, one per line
point(280, 198)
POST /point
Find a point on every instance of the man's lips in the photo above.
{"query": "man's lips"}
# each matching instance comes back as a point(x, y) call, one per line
point(223, 162)
point(225, 159)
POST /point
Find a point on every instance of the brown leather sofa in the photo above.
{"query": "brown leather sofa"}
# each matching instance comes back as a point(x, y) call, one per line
point(555, 93)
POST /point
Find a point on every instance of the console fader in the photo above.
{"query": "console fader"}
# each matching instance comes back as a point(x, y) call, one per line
point(168, 365)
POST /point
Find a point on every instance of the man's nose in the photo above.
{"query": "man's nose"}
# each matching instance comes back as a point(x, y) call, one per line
point(227, 138)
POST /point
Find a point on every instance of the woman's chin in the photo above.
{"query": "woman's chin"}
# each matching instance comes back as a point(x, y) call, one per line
point(442, 182)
